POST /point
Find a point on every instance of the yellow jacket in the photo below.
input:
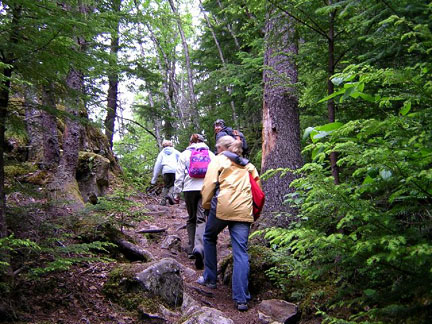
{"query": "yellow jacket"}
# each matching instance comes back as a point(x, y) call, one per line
point(232, 198)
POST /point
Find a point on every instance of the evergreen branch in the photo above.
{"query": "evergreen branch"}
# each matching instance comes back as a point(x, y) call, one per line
point(396, 13)
point(341, 56)
point(38, 49)
point(316, 29)
point(138, 124)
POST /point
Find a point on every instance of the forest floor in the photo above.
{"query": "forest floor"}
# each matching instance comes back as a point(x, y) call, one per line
point(76, 296)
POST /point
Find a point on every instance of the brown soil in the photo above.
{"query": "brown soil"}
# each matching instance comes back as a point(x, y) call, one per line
point(76, 295)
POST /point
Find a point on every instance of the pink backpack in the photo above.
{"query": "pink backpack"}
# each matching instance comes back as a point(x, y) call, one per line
point(198, 163)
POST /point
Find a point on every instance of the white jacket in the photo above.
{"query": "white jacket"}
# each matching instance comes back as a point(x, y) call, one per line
point(183, 181)
point(165, 162)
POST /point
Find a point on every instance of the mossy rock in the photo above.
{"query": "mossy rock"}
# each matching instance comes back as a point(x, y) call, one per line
point(97, 142)
point(123, 288)
point(260, 260)
point(67, 195)
point(88, 161)
point(40, 177)
point(92, 175)
point(19, 169)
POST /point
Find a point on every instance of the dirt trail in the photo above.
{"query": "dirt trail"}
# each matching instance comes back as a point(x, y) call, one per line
point(173, 218)
point(76, 296)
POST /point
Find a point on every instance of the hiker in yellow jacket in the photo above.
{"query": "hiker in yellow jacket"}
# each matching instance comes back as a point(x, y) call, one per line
point(226, 192)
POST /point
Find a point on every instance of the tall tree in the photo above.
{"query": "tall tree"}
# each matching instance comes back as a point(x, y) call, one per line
point(281, 127)
point(223, 62)
point(7, 58)
point(113, 78)
point(190, 77)
point(64, 187)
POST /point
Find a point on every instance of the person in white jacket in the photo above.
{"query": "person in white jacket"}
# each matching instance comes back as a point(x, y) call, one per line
point(166, 163)
point(191, 188)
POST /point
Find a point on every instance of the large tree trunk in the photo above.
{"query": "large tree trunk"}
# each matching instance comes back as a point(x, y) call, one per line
point(281, 126)
point(113, 78)
point(51, 149)
point(64, 188)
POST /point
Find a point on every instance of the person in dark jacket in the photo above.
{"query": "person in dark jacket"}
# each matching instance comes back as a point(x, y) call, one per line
point(222, 130)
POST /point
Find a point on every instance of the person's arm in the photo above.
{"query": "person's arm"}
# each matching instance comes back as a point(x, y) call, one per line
point(157, 168)
point(255, 175)
point(211, 154)
point(180, 174)
point(210, 181)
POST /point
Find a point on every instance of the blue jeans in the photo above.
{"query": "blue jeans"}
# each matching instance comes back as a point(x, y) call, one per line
point(239, 232)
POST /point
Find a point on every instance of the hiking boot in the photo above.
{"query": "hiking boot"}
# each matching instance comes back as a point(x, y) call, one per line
point(242, 307)
point(202, 282)
point(191, 256)
point(199, 261)
point(170, 199)
point(163, 202)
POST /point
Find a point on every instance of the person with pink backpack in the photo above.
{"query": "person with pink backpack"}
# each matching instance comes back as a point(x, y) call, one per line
point(191, 169)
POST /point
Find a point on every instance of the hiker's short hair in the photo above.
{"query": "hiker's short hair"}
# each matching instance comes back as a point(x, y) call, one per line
point(228, 143)
point(219, 122)
point(197, 138)
point(166, 143)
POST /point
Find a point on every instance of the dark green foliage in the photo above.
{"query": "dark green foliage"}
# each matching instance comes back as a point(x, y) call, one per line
point(366, 243)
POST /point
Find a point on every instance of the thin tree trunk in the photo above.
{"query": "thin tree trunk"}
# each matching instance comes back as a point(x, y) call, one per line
point(330, 89)
point(221, 56)
point(167, 79)
point(191, 92)
point(231, 31)
point(113, 78)
point(281, 127)
point(4, 101)
point(156, 124)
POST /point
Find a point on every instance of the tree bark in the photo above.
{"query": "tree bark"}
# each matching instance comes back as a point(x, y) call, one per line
point(64, 188)
point(33, 121)
point(281, 127)
point(51, 149)
point(113, 78)
point(4, 101)
point(72, 133)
